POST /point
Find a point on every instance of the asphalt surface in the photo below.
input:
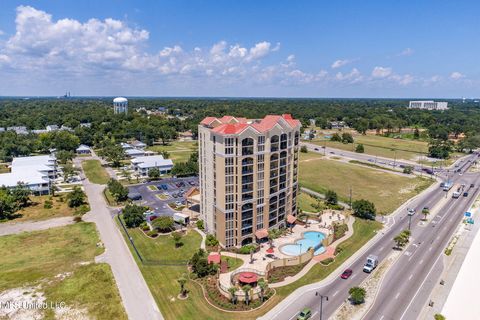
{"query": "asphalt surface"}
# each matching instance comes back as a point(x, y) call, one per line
point(397, 291)
point(150, 199)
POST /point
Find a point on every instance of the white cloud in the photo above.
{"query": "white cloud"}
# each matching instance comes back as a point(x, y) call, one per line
point(2, 33)
point(406, 52)
point(381, 72)
point(456, 75)
point(353, 76)
point(340, 63)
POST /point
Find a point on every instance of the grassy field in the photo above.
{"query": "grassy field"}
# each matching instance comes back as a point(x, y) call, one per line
point(36, 211)
point(387, 190)
point(306, 202)
point(4, 168)
point(179, 150)
point(381, 146)
point(162, 279)
point(95, 172)
point(38, 257)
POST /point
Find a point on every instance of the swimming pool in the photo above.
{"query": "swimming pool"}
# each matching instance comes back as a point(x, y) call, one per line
point(311, 239)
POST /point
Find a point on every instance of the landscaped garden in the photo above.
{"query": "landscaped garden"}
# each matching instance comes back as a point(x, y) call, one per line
point(58, 263)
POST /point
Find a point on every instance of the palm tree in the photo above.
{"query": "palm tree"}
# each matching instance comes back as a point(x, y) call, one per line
point(181, 281)
point(233, 292)
point(246, 288)
point(425, 212)
point(263, 288)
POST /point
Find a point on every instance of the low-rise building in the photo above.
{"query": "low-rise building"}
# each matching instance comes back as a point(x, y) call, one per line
point(83, 149)
point(132, 153)
point(35, 172)
point(18, 129)
point(337, 124)
point(142, 165)
point(138, 144)
point(428, 105)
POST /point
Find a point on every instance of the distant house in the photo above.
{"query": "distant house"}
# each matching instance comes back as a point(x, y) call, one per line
point(83, 149)
point(66, 128)
point(132, 153)
point(337, 124)
point(18, 129)
point(126, 146)
point(185, 136)
point(52, 127)
point(142, 165)
point(312, 122)
point(2, 129)
point(86, 125)
point(428, 105)
point(39, 131)
point(138, 144)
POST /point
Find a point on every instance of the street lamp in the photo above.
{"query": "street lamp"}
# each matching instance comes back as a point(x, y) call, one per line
point(321, 302)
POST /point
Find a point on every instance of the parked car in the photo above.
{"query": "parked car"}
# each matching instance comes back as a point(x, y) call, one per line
point(174, 195)
point(164, 187)
point(346, 274)
point(465, 194)
point(472, 185)
point(305, 314)
point(316, 149)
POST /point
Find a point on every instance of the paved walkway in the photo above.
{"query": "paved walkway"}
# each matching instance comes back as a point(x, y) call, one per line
point(18, 227)
point(136, 296)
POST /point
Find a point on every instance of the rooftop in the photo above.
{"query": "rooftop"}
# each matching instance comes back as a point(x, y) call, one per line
point(233, 125)
point(152, 161)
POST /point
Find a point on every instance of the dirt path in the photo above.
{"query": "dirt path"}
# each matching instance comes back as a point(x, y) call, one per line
point(18, 227)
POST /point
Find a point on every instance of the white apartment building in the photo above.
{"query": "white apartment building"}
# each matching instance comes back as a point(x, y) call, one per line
point(428, 105)
point(142, 165)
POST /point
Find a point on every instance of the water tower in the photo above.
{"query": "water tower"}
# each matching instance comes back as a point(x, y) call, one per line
point(120, 105)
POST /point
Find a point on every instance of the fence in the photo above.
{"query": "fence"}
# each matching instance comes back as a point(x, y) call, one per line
point(293, 261)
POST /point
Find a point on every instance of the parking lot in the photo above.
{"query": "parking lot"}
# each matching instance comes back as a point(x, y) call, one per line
point(158, 194)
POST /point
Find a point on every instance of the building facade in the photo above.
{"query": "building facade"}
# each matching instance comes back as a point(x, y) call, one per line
point(248, 176)
point(120, 105)
point(428, 105)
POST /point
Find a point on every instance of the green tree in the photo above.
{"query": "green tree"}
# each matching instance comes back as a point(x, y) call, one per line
point(21, 195)
point(211, 241)
point(153, 173)
point(357, 295)
point(246, 288)
point(112, 152)
point(408, 169)
point(233, 294)
point(331, 197)
point(263, 288)
point(76, 198)
point(336, 137)
point(165, 154)
point(402, 238)
point(8, 205)
point(163, 224)
point(182, 281)
point(177, 238)
point(416, 134)
point(438, 316)
point(360, 148)
point(347, 137)
point(64, 156)
point(200, 224)
point(303, 149)
point(425, 212)
point(133, 215)
point(364, 209)
point(117, 190)
point(68, 171)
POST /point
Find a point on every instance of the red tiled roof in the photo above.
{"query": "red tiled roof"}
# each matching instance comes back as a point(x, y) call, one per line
point(214, 258)
point(261, 233)
point(248, 277)
point(291, 219)
point(232, 125)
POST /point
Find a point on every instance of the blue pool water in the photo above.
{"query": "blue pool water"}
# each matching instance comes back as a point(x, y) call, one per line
point(310, 239)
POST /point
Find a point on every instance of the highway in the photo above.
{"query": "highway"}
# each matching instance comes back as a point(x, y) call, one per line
point(413, 272)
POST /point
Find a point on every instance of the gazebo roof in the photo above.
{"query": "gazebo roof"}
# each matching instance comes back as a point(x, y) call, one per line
point(214, 258)
point(248, 277)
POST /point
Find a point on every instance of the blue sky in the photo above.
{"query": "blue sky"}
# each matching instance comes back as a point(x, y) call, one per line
point(240, 48)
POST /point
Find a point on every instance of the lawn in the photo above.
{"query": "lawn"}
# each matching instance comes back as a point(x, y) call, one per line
point(386, 190)
point(36, 210)
point(305, 202)
point(95, 172)
point(4, 168)
point(36, 258)
point(381, 146)
point(178, 150)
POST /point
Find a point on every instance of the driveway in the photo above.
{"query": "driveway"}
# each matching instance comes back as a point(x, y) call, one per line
point(136, 296)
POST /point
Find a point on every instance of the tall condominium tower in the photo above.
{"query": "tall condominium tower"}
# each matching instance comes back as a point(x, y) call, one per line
point(248, 176)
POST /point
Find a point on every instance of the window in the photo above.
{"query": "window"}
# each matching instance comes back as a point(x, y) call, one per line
point(261, 144)
point(247, 146)
point(274, 143)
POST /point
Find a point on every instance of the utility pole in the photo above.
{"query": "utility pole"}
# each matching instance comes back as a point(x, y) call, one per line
point(321, 302)
point(325, 147)
point(350, 197)
point(395, 158)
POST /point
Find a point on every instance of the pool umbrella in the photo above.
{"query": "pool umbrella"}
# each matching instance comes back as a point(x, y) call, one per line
point(270, 250)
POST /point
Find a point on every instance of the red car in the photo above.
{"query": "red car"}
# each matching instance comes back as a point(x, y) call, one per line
point(346, 274)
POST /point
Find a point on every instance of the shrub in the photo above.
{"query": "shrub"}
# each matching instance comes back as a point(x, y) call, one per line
point(357, 295)
point(360, 148)
point(163, 224)
point(117, 190)
point(331, 197)
point(76, 198)
point(48, 204)
point(77, 219)
point(200, 225)
point(246, 249)
point(303, 149)
point(211, 241)
point(152, 233)
point(327, 261)
point(364, 209)
point(339, 230)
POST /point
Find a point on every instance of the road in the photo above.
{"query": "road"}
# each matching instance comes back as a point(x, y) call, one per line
point(419, 263)
point(136, 296)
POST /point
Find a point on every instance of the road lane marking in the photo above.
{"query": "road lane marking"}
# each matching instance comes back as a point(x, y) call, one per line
point(353, 276)
point(398, 294)
point(421, 261)
point(411, 276)
point(333, 295)
point(313, 315)
point(438, 237)
point(421, 286)
point(382, 317)
point(430, 249)
point(382, 248)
